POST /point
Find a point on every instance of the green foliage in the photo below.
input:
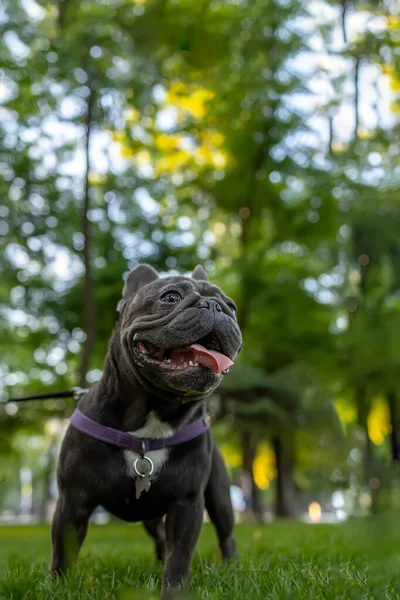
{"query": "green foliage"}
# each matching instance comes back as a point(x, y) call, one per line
point(183, 129)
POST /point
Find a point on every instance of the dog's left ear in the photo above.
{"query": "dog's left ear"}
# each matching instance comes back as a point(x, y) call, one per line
point(139, 277)
point(199, 274)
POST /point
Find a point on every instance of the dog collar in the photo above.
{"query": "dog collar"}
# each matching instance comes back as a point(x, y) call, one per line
point(122, 439)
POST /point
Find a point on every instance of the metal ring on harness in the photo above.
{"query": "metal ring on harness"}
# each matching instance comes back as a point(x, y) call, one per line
point(150, 463)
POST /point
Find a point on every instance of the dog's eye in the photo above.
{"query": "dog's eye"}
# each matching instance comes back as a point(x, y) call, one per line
point(171, 297)
point(231, 306)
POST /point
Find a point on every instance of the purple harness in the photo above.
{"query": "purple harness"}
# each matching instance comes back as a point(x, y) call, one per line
point(122, 439)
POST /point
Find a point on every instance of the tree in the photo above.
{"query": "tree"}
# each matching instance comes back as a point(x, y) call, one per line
point(126, 138)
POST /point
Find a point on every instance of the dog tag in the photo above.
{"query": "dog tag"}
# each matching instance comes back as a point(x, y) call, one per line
point(142, 484)
point(144, 467)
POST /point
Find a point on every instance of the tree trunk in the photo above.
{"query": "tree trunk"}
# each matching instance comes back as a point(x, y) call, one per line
point(248, 456)
point(89, 319)
point(285, 491)
point(356, 96)
point(362, 417)
point(249, 202)
point(392, 401)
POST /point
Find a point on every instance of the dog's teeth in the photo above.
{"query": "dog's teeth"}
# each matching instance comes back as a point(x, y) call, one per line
point(168, 360)
point(190, 363)
point(196, 364)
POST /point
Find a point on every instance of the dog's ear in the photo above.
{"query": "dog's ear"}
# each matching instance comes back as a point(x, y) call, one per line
point(140, 276)
point(199, 274)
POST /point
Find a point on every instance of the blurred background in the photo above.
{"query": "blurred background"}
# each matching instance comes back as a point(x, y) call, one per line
point(259, 138)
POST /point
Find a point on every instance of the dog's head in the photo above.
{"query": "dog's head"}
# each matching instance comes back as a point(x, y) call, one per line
point(180, 334)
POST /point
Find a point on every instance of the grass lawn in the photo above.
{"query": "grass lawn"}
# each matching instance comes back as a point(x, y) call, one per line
point(360, 559)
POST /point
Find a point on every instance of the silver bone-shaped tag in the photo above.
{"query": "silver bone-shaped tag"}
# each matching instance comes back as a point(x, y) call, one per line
point(143, 467)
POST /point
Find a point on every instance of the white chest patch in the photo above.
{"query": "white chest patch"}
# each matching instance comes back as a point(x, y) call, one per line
point(153, 429)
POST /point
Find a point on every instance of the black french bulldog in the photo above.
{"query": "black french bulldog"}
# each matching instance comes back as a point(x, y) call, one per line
point(175, 338)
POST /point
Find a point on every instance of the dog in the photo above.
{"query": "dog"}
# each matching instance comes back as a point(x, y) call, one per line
point(175, 340)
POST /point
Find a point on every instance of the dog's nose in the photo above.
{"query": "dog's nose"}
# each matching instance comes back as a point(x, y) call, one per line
point(203, 303)
point(210, 304)
point(216, 306)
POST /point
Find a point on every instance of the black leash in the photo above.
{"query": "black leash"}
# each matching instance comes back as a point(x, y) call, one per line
point(76, 393)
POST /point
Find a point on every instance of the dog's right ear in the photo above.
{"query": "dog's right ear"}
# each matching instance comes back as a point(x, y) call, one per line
point(199, 274)
point(139, 277)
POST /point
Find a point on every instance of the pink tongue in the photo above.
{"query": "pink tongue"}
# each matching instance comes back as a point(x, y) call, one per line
point(213, 360)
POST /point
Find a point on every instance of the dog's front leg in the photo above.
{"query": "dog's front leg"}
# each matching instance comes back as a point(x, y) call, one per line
point(68, 530)
point(183, 526)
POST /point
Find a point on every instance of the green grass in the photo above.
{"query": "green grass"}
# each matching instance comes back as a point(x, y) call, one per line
point(359, 560)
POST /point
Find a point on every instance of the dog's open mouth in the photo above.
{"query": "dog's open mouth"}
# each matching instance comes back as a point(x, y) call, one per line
point(205, 353)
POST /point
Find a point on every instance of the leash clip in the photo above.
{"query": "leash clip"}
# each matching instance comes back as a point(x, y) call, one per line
point(77, 393)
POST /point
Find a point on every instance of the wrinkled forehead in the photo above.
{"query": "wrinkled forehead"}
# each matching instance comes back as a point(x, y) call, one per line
point(185, 285)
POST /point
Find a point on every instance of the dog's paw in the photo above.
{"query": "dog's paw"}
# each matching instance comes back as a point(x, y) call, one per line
point(177, 591)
